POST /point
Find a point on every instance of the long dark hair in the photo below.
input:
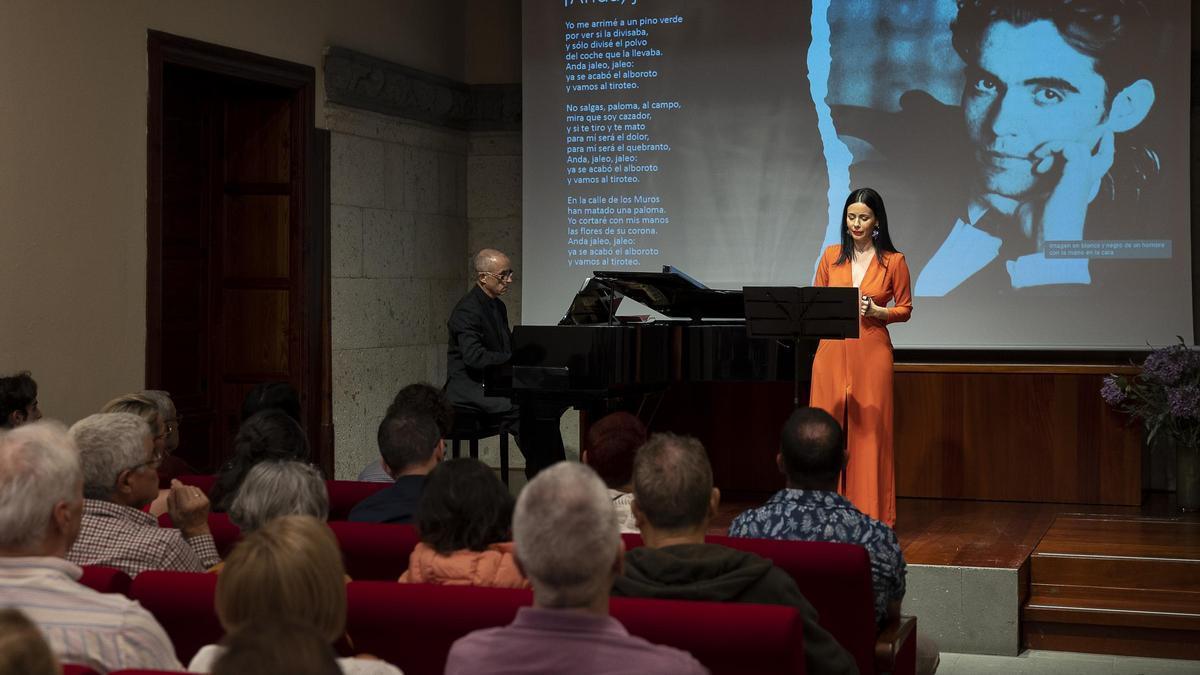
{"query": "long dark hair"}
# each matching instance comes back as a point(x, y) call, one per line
point(883, 243)
point(464, 506)
point(270, 434)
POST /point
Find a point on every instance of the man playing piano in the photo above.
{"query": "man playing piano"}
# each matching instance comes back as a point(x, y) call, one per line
point(480, 337)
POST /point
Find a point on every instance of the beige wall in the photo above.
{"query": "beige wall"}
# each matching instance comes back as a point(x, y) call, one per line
point(73, 159)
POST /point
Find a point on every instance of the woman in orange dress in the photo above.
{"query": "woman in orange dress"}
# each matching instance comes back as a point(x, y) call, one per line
point(852, 379)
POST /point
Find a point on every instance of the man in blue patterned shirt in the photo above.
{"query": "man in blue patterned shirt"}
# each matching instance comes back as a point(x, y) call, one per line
point(810, 509)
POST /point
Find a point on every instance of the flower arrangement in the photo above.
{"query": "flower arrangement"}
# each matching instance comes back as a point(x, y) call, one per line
point(1165, 395)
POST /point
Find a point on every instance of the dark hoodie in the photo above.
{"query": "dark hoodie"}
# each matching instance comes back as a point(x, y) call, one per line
point(721, 574)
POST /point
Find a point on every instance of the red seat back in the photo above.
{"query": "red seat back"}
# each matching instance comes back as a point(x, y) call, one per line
point(413, 625)
point(75, 669)
point(729, 638)
point(203, 481)
point(138, 671)
point(835, 578)
point(183, 602)
point(344, 495)
point(225, 534)
point(374, 551)
point(105, 579)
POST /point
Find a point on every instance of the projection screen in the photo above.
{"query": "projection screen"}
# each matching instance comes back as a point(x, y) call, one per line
point(1034, 166)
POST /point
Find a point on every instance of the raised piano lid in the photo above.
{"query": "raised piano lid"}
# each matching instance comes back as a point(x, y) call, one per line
point(670, 292)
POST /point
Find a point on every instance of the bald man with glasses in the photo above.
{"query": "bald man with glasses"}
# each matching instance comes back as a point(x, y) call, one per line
point(480, 337)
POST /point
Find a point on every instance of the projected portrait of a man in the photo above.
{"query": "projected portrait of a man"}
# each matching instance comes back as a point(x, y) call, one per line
point(1037, 155)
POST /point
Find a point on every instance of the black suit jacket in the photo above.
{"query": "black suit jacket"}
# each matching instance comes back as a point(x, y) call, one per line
point(479, 337)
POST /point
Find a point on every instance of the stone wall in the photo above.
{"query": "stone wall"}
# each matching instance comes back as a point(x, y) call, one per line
point(399, 263)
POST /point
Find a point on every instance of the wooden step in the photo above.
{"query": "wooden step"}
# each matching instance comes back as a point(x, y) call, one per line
point(1119, 553)
point(1115, 585)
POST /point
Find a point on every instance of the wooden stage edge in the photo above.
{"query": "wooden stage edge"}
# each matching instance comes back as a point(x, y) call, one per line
point(973, 533)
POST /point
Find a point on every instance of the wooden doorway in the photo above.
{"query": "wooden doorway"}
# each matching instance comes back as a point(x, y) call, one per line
point(238, 241)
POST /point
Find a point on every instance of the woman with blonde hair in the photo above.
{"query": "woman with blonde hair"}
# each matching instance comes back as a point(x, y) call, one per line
point(147, 409)
point(290, 567)
point(23, 649)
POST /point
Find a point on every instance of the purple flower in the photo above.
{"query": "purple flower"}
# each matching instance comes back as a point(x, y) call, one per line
point(1184, 402)
point(1112, 392)
point(1167, 365)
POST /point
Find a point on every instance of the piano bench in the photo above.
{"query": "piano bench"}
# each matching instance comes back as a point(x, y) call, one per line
point(471, 425)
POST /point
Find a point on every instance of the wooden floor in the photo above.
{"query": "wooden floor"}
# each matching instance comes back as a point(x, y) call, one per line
point(977, 533)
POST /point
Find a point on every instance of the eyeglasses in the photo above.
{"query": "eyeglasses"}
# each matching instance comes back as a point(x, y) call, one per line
point(173, 424)
point(154, 462)
point(502, 275)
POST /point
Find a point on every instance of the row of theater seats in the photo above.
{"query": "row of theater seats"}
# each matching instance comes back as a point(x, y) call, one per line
point(835, 578)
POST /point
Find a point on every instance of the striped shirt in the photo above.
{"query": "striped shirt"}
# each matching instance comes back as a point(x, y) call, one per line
point(104, 631)
point(131, 541)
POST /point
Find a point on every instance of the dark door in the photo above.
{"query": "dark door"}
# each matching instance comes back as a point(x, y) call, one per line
point(237, 241)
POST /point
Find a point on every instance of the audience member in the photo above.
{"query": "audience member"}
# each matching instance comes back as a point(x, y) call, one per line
point(612, 443)
point(272, 396)
point(23, 650)
point(118, 458)
point(270, 434)
point(674, 501)
point(18, 401)
point(464, 520)
point(419, 397)
point(278, 646)
point(568, 544)
point(41, 504)
point(812, 457)
point(411, 446)
point(146, 409)
point(173, 466)
point(291, 567)
point(272, 489)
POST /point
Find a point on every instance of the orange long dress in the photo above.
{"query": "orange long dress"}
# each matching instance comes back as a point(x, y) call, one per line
point(852, 380)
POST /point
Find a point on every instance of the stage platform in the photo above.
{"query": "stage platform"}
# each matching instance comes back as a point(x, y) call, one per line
point(981, 571)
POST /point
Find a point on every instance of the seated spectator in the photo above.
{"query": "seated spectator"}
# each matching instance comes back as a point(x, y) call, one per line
point(290, 568)
point(267, 435)
point(41, 502)
point(612, 443)
point(811, 457)
point(411, 446)
point(146, 409)
point(279, 646)
point(272, 396)
point(273, 489)
point(420, 397)
point(23, 650)
point(118, 458)
point(464, 520)
point(568, 544)
point(673, 501)
point(173, 466)
point(18, 401)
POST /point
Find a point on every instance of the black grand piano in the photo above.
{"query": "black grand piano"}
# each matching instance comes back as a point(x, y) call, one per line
point(692, 372)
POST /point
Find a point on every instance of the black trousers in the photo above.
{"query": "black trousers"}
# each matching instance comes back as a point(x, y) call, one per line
point(535, 426)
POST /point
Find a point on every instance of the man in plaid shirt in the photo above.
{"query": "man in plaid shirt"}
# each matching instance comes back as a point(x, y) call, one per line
point(120, 478)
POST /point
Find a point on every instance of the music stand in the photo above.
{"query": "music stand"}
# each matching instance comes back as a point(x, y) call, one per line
point(801, 314)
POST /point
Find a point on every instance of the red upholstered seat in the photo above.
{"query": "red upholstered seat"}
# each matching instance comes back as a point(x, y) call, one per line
point(414, 625)
point(344, 495)
point(74, 669)
point(203, 481)
point(183, 602)
point(105, 579)
point(145, 672)
point(726, 637)
point(374, 551)
point(836, 579)
point(225, 534)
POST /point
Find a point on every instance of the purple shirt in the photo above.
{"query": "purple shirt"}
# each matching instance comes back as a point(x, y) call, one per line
point(564, 641)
